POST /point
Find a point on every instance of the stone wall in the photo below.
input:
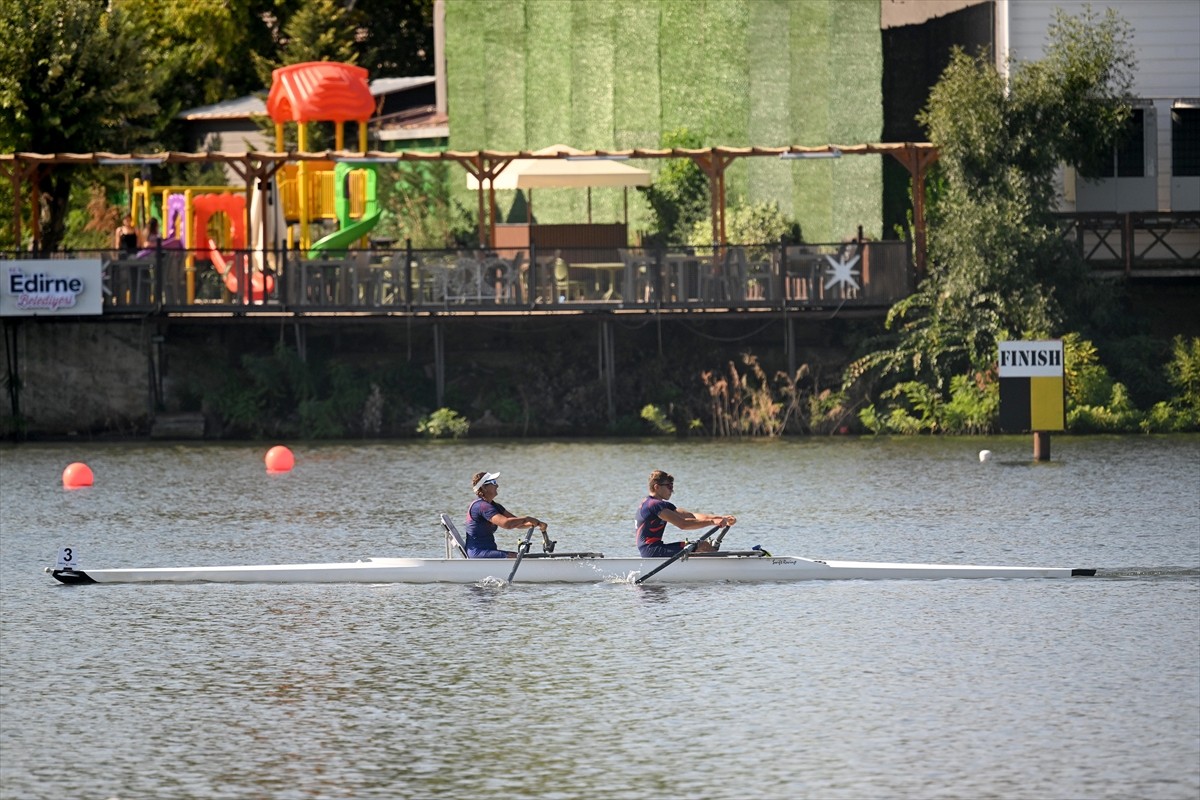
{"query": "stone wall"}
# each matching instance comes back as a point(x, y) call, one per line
point(78, 377)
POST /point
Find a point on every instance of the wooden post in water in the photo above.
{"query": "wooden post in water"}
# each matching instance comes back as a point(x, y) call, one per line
point(1041, 445)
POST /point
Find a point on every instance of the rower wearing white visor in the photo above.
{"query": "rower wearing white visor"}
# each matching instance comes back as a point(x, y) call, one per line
point(486, 515)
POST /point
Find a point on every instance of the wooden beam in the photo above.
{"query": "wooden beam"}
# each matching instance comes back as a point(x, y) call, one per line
point(917, 160)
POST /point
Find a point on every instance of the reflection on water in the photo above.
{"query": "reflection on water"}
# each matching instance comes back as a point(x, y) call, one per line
point(1027, 688)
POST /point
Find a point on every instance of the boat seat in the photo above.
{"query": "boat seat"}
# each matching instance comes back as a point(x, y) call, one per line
point(732, 554)
point(452, 534)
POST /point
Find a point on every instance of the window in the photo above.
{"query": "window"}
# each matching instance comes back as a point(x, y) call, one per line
point(1185, 141)
point(1127, 159)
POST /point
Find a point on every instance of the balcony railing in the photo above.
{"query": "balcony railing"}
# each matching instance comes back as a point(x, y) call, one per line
point(1141, 245)
point(864, 275)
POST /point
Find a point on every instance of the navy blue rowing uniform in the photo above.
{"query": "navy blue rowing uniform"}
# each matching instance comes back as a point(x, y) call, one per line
point(650, 528)
point(481, 531)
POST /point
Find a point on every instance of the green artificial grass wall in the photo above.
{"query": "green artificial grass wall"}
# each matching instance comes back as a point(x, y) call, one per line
point(526, 74)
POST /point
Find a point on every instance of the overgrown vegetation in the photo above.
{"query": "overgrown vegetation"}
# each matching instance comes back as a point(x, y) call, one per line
point(998, 268)
point(445, 423)
point(752, 223)
point(679, 195)
point(420, 206)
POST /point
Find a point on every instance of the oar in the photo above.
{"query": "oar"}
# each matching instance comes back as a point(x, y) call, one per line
point(685, 551)
point(522, 549)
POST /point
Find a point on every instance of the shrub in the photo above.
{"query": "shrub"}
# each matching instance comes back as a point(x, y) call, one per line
point(974, 403)
point(445, 423)
point(658, 420)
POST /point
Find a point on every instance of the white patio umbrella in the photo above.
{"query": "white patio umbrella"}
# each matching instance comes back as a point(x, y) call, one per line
point(565, 173)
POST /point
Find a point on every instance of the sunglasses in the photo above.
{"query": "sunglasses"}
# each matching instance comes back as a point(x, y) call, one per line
point(668, 484)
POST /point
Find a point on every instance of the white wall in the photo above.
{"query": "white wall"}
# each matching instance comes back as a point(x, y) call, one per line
point(1166, 41)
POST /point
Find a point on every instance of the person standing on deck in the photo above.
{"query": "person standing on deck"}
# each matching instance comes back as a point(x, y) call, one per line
point(125, 239)
point(486, 515)
point(657, 510)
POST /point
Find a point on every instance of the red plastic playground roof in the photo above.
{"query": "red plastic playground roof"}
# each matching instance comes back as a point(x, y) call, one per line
point(320, 91)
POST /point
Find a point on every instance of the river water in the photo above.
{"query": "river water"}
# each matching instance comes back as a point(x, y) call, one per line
point(1087, 687)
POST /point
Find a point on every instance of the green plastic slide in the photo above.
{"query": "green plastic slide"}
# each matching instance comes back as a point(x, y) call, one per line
point(349, 231)
point(341, 239)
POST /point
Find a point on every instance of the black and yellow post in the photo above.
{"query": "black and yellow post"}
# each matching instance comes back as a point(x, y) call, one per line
point(1032, 391)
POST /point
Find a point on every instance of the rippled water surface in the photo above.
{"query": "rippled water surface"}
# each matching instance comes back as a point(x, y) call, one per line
point(881, 689)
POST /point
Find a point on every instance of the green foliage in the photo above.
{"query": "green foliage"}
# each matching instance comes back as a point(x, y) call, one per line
point(998, 268)
point(748, 223)
point(1115, 415)
point(319, 30)
point(282, 395)
point(828, 412)
point(1088, 381)
point(202, 49)
point(1181, 412)
point(1183, 371)
point(974, 404)
point(679, 195)
point(421, 206)
point(445, 423)
point(75, 78)
point(394, 39)
point(659, 422)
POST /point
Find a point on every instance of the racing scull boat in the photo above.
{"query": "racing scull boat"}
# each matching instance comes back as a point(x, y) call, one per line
point(549, 567)
point(565, 568)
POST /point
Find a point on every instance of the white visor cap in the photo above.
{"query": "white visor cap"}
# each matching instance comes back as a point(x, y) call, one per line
point(488, 477)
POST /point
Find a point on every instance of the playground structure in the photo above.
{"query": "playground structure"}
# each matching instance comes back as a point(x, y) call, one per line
point(210, 223)
point(324, 91)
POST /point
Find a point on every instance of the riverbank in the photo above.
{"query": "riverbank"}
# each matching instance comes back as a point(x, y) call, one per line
point(338, 377)
point(251, 378)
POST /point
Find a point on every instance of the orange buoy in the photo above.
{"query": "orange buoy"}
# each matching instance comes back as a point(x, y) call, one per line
point(280, 459)
point(77, 475)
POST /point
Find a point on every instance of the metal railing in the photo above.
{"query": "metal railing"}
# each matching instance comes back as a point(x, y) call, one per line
point(388, 281)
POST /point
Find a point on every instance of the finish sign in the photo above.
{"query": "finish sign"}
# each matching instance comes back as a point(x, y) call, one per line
point(1032, 390)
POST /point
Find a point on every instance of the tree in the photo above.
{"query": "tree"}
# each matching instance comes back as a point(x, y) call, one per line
point(207, 50)
point(679, 194)
point(320, 30)
point(998, 267)
point(73, 78)
point(395, 39)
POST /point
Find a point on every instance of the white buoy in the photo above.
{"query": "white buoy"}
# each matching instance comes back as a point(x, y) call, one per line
point(985, 455)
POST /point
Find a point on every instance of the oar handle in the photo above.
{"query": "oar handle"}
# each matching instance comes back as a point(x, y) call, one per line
point(720, 536)
point(685, 551)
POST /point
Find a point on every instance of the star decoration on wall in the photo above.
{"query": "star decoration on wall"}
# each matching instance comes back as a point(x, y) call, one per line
point(842, 272)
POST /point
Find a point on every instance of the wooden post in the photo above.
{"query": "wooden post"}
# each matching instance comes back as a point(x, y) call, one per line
point(917, 162)
point(1041, 445)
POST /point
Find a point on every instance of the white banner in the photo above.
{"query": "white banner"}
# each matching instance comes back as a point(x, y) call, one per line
point(51, 287)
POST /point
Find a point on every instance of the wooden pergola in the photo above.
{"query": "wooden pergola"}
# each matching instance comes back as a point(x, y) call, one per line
point(257, 169)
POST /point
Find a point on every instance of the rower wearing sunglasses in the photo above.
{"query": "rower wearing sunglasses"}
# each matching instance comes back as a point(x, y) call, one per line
point(486, 515)
point(657, 510)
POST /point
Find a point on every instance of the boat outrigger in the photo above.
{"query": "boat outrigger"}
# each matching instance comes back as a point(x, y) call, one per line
point(550, 567)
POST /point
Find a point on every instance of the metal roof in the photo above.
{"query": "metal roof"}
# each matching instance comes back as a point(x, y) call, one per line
point(256, 105)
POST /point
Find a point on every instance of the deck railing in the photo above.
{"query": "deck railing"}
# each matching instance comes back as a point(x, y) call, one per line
point(848, 275)
point(865, 275)
point(1154, 244)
